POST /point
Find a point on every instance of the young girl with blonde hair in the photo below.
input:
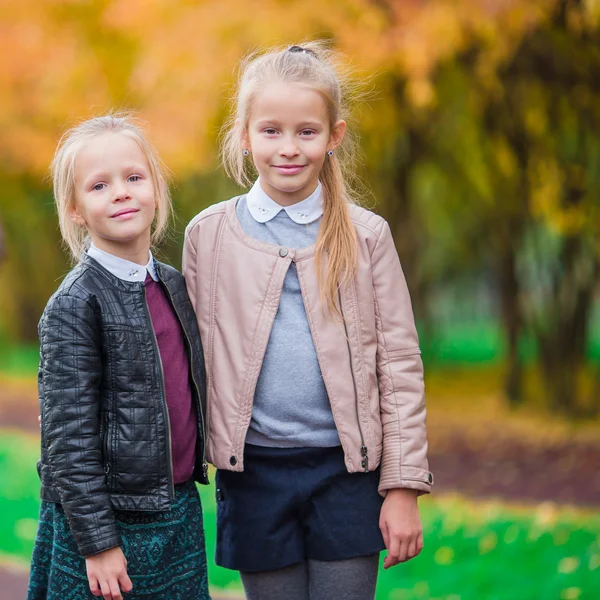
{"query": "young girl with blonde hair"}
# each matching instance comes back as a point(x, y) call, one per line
point(315, 401)
point(121, 387)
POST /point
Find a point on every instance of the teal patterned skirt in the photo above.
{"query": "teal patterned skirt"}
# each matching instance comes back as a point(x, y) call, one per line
point(165, 552)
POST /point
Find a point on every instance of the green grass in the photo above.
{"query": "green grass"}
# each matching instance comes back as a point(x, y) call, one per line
point(19, 360)
point(484, 342)
point(19, 489)
point(474, 551)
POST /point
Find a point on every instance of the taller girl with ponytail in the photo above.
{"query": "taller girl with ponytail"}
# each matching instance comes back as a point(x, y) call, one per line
point(315, 409)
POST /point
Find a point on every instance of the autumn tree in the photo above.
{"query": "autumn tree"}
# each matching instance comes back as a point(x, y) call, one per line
point(480, 140)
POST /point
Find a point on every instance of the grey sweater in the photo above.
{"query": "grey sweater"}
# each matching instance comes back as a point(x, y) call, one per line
point(291, 406)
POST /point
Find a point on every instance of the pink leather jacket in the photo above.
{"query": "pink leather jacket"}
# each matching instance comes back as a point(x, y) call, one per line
point(370, 362)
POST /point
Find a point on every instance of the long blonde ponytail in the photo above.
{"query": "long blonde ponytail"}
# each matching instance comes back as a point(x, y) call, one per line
point(336, 255)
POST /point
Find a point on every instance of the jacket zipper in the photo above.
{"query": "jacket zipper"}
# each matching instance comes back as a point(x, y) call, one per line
point(164, 402)
point(105, 445)
point(363, 449)
point(198, 402)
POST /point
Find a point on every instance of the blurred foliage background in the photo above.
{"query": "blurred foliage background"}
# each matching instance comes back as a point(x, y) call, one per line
point(480, 145)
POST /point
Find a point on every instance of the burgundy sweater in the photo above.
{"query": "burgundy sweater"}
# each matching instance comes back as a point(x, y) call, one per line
point(176, 374)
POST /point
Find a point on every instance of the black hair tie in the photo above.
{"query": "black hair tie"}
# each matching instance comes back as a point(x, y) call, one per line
point(301, 49)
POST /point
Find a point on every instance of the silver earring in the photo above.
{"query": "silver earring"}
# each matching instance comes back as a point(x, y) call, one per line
point(246, 152)
point(329, 152)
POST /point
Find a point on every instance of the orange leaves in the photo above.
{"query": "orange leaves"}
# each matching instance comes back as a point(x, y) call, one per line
point(174, 60)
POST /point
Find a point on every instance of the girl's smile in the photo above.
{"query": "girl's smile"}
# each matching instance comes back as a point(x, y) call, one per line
point(125, 213)
point(289, 169)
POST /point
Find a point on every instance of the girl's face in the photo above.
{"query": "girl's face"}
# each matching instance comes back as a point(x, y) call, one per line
point(115, 197)
point(289, 134)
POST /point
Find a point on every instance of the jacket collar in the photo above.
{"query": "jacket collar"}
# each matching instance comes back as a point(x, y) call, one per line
point(263, 208)
point(124, 269)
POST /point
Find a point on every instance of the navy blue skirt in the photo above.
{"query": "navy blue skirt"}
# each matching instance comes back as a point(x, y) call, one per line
point(165, 552)
point(293, 504)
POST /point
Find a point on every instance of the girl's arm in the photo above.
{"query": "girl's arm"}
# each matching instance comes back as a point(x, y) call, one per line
point(70, 376)
point(404, 467)
point(400, 375)
point(188, 266)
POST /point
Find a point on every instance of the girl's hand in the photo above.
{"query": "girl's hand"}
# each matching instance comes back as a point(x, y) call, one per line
point(107, 574)
point(401, 527)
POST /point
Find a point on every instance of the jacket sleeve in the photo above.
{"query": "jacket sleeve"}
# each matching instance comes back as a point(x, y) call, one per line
point(71, 369)
point(188, 265)
point(400, 375)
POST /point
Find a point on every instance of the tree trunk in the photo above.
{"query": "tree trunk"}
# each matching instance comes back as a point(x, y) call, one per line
point(512, 321)
point(562, 341)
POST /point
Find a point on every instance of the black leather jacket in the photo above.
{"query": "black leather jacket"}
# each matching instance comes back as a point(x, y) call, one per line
point(105, 427)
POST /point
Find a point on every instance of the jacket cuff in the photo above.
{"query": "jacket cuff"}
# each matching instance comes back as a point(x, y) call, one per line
point(98, 545)
point(409, 477)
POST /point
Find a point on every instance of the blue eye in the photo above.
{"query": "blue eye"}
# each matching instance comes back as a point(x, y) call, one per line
point(306, 132)
point(270, 131)
point(98, 187)
point(134, 178)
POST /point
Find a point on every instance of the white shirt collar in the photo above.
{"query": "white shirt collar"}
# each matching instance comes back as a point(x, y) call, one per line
point(263, 208)
point(121, 268)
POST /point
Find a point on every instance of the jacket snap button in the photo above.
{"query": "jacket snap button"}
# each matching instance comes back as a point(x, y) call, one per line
point(363, 464)
point(233, 461)
point(219, 495)
point(283, 252)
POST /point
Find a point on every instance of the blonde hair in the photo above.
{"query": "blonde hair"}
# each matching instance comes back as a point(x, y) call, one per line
point(312, 65)
point(71, 143)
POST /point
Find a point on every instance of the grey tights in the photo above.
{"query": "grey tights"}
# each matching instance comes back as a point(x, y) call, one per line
point(351, 579)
